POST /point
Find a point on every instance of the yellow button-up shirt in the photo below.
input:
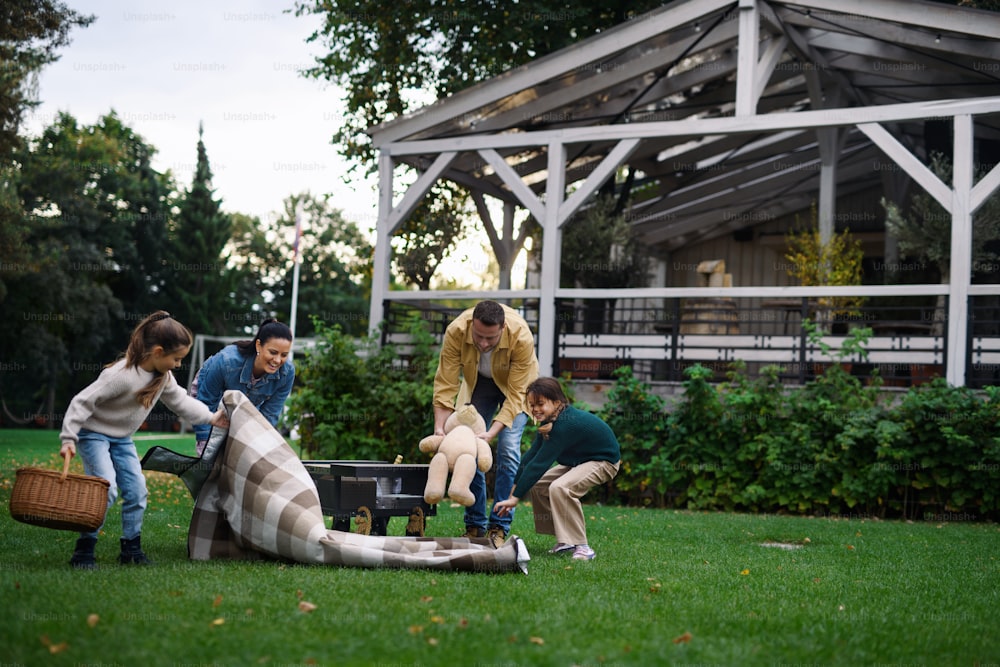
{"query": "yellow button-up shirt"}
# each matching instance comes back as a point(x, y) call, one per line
point(514, 365)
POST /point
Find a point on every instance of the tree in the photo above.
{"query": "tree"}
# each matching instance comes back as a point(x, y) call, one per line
point(834, 262)
point(30, 33)
point(923, 231)
point(426, 237)
point(334, 274)
point(391, 58)
point(202, 284)
point(387, 56)
point(94, 210)
point(601, 250)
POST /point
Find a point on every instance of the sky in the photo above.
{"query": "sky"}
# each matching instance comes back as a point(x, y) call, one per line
point(230, 65)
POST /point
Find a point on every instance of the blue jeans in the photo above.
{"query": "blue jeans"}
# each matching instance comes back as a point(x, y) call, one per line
point(508, 458)
point(116, 460)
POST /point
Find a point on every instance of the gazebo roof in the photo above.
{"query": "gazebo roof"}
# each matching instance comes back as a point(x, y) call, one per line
point(681, 63)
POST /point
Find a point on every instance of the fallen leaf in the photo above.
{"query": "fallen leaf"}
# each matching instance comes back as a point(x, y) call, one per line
point(433, 641)
point(416, 629)
point(305, 606)
point(92, 619)
point(536, 640)
point(58, 648)
point(463, 622)
point(850, 547)
point(745, 572)
point(683, 639)
point(426, 598)
point(299, 594)
point(437, 619)
point(219, 621)
point(217, 601)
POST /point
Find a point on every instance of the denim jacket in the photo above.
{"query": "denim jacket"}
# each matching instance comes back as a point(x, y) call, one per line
point(228, 369)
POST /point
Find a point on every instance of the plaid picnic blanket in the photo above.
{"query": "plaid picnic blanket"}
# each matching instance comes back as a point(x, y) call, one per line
point(254, 499)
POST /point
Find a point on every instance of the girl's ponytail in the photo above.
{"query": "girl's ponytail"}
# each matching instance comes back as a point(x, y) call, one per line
point(157, 329)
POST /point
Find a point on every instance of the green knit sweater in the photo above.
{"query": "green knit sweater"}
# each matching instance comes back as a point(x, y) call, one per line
point(576, 436)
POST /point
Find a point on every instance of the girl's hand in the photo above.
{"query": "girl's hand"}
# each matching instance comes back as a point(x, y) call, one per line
point(220, 419)
point(504, 507)
point(68, 447)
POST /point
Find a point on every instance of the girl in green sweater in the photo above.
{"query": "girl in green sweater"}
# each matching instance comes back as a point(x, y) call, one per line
point(585, 452)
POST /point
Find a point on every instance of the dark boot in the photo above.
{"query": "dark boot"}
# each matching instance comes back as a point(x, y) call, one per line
point(132, 552)
point(83, 554)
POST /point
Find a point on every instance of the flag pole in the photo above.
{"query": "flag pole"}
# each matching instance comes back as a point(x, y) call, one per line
point(295, 271)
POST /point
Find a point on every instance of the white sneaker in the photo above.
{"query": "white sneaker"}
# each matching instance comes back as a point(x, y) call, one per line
point(583, 552)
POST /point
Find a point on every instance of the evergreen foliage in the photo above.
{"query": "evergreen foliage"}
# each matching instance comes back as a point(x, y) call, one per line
point(358, 400)
point(96, 220)
point(334, 266)
point(831, 447)
point(202, 283)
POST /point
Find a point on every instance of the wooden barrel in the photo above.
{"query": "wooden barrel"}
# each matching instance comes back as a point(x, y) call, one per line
point(709, 316)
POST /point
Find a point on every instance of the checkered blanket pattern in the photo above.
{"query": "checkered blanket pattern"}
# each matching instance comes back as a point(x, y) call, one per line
point(259, 501)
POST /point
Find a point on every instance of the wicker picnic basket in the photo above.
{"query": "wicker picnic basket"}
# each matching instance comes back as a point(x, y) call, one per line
point(62, 501)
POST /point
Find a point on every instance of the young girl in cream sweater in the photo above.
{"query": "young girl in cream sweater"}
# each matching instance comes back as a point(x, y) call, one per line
point(102, 418)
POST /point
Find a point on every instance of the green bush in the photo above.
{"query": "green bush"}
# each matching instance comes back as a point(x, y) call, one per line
point(637, 418)
point(358, 400)
point(833, 446)
point(944, 458)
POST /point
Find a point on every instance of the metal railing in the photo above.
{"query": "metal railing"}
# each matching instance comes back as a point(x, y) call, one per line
point(660, 338)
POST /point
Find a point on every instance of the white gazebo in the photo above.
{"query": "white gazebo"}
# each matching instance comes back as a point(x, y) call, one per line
point(773, 104)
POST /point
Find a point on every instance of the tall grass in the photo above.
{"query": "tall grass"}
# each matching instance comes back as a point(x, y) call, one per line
point(667, 588)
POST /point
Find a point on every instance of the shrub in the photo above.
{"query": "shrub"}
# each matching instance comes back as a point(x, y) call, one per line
point(359, 401)
point(638, 420)
point(944, 456)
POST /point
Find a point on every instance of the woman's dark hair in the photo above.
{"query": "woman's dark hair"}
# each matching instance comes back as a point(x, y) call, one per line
point(268, 329)
point(547, 387)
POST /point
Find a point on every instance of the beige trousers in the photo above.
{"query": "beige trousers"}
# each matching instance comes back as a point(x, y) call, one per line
point(556, 498)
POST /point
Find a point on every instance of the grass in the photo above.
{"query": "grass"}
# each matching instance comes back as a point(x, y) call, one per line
point(667, 588)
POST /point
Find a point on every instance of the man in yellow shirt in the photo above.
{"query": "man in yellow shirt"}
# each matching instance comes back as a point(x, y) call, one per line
point(488, 359)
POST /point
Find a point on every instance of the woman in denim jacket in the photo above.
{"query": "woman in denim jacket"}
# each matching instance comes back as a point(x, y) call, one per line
point(260, 368)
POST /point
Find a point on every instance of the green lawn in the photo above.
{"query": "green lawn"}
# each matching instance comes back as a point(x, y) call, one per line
point(667, 588)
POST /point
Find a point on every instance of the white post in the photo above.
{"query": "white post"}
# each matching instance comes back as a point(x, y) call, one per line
point(295, 271)
point(551, 251)
point(961, 252)
point(383, 250)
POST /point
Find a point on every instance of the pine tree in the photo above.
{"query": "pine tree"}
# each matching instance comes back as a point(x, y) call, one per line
point(200, 283)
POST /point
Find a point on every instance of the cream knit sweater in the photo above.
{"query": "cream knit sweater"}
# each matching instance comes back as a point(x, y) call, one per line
point(109, 405)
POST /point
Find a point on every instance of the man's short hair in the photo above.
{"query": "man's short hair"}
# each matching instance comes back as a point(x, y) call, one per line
point(489, 313)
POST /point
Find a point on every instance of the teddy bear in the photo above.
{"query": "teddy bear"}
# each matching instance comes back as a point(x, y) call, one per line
point(458, 451)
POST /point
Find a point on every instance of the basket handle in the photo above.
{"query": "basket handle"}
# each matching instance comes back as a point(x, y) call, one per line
point(66, 457)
